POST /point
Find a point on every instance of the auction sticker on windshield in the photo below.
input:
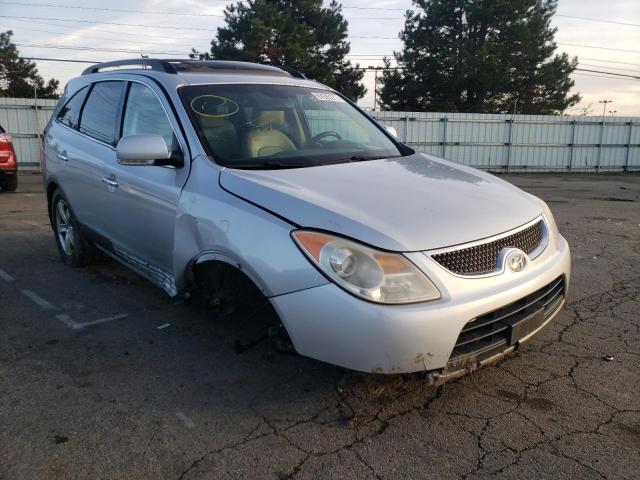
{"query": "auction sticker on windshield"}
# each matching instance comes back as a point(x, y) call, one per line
point(327, 97)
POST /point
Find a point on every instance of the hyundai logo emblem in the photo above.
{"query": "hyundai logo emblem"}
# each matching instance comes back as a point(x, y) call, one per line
point(517, 261)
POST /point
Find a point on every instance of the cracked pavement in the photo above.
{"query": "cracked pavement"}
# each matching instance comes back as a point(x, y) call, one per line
point(133, 397)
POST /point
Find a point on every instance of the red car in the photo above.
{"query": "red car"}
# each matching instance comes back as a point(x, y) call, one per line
point(8, 162)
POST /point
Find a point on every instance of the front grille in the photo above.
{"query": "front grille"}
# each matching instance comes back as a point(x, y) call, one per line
point(493, 332)
point(483, 258)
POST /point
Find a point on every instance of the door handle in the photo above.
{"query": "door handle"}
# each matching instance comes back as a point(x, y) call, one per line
point(63, 157)
point(110, 183)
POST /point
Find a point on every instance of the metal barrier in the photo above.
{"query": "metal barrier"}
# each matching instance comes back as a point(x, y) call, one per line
point(25, 119)
point(522, 142)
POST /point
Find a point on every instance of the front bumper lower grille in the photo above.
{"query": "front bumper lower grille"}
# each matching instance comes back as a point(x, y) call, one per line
point(483, 259)
point(496, 331)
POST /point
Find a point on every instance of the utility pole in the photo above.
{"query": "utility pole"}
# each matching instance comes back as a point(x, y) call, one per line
point(604, 106)
point(35, 107)
point(375, 85)
point(604, 112)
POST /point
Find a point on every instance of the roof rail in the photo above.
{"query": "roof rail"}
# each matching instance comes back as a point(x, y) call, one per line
point(152, 63)
point(293, 72)
point(174, 66)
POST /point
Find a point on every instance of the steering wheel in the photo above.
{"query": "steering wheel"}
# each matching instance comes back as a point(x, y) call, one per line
point(328, 133)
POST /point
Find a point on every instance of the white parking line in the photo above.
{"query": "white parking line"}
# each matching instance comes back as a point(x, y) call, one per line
point(103, 320)
point(38, 300)
point(71, 323)
point(67, 320)
point(37, 225)
point(20, 214)
point(6, 277)
point(186, 420)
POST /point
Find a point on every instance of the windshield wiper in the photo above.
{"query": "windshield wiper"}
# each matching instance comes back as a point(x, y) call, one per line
point(271, 164)
point(279, 164)
point(362, 158)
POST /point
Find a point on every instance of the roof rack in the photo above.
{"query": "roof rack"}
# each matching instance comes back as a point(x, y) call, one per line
point(174, 66)
point(292, 71)
point(151, 63)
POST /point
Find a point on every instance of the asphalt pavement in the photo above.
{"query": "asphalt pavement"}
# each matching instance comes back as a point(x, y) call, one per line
point(103, 376)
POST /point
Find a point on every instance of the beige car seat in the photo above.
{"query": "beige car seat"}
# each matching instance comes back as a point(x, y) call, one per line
point(268, 139)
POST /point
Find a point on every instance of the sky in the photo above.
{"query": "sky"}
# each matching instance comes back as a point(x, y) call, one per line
point(614, 47)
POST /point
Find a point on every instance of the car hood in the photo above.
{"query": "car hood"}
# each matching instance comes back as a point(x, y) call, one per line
point(411, 203)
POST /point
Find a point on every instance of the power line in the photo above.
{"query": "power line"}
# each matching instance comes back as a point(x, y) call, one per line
point(635, 77)
point(599, 48)
point(598, 20)
point(378, 8)
point(161, 12)
point(563, 44)
point(108, 23)
point(599, 76)
point(95, 22)
point(66, 60)
point(390, 9)
point(380, 55)
point(138, 34)
point(99, 49)
point(610, 68)
point(113, 39)
point(609, 61)
point(100, 9)
point(372, 69)
point(195, 39)
point(149, 12)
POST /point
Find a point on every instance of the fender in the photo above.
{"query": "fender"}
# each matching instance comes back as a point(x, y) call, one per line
point(213, 224)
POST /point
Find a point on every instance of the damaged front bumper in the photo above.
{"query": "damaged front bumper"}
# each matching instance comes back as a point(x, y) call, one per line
point(328, 324)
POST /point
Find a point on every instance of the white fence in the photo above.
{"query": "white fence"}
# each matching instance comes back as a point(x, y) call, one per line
point(25, 123)
point(513, 143)
point(522, 142)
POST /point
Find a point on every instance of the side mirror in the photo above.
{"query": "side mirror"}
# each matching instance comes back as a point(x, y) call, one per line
point(391, 130)
point(145, 149)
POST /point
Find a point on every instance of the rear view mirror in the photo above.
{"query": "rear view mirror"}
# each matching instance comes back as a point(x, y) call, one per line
point(391, 130)
point(144, 149)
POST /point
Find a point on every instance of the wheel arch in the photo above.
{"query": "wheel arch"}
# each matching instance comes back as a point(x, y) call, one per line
point(52, 186)
point(214, 258)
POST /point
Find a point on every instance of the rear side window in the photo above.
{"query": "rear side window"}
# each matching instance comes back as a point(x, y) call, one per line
point(99, 117)
point(70, 113)
point(144, 114)
point(1, 129)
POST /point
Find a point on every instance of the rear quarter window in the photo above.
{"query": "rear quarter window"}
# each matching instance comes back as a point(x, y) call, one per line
point(70, 114)
point(99, 118)
point(2, 129)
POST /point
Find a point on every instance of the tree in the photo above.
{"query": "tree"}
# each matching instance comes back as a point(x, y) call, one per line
point(297, 33)
point(18, 75)
point(481, 56)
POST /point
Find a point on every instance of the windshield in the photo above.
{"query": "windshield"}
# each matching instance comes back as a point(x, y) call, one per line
point(280, 126)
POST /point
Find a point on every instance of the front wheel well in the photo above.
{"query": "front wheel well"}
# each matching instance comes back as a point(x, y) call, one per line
point(223, 282)
point(225, 288)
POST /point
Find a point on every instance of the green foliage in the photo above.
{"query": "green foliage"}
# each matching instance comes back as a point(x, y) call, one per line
point(480, 56)
point(297, 33)
point(18, 76)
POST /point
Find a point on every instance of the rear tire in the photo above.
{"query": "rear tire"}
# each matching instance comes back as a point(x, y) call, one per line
point(72, 245)
point(9, 184)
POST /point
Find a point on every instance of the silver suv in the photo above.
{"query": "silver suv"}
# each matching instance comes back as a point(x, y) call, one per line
point(238, 177)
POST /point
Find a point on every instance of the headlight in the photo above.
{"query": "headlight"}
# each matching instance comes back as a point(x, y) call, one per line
point(374, 275)
point(552, 227)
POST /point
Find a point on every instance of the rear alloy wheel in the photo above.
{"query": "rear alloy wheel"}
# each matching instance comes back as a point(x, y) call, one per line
point(9, 184)
point(71, 243)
